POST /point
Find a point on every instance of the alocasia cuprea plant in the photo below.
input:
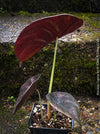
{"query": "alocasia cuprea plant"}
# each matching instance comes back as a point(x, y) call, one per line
point(32, 39)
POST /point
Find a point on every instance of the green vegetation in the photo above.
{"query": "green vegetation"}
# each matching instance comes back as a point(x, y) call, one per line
point(2, 11)
point(24, 13)
point(11, 100)
point(46, 5)
point(12, 124)
point(75, 70)
point(92, 20)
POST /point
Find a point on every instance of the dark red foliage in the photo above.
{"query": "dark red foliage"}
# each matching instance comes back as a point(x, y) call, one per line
point(43, 31)
point(26, 90)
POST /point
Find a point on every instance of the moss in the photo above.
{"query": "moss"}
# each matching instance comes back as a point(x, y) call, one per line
point(24, 13)
point(75, 70)
point(12, 123)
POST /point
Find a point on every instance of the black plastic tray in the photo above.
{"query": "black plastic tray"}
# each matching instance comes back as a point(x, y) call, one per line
point(44, 130)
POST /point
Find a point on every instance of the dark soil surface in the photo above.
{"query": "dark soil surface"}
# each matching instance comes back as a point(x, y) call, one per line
point(57, 119)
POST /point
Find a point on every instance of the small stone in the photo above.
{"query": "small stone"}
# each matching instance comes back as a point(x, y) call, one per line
point(89, 55)
point(93, 108)
point(35, 110)
point(75, 39)
point(97, 129)
point(91, 113)
point(31, 126)
point(61, 128)
point(37, 126)
point(34, 124)
point(74, 36)
point(26, 117)
point(50, 122)
point(96, 125)
point(51, 119)
point(88, 110)
point(70, 120)
point(89, 132)
point(83, 127)
point(76, 78)
point(38, 106)
point(45, 64)
point(43, 107)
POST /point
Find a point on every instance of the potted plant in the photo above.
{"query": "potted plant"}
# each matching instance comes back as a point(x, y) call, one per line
point(32, 39)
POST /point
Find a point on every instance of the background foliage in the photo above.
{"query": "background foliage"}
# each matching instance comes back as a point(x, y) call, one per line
point(75, 69)
point(50, 6)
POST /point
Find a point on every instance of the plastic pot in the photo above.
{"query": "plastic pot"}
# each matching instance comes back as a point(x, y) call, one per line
point(44, 130)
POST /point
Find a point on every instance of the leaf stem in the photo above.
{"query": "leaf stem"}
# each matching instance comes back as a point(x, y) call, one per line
point(52, 75)
point(53, 67)
point(54, 116)
point(40, 104)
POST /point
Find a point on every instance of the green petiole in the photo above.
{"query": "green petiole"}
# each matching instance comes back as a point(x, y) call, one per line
point(40, 104)
point(52, 74)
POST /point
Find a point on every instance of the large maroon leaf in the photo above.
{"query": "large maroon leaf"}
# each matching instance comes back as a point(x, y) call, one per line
point(42, 31)
point(65, 103)
point(26, 90)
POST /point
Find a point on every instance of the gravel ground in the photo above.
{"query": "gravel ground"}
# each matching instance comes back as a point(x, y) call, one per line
point(10, 28)
point(90, 115)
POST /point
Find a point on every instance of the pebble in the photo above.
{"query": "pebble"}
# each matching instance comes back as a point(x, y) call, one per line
point(97, 129)
point(62, 128)
point(43, 107)
point(31, 126)
point(89, 132)
point(38, 106)
point(75, 39)
point(83, 128)
point(34, 124)
point(70, 120)
point(35, 110)
point(91, 113)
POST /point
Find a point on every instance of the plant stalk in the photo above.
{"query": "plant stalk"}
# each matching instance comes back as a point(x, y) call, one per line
point(40, 105)
point(54, 116)
point(52, 76)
